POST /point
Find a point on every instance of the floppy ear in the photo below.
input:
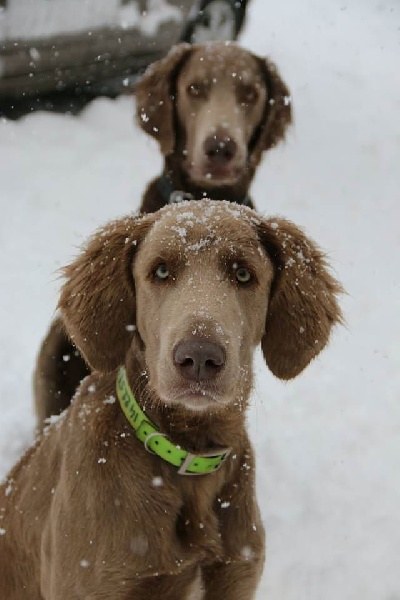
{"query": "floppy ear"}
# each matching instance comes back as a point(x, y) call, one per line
point(277, 114)
point(155, 97)
point(303, 305)
point(98, 298)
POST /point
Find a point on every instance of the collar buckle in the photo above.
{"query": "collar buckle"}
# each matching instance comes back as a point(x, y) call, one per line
point(149, 437)
point(187, 463)
point(177, 196)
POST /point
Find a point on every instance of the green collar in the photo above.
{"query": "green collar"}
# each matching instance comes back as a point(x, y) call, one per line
point(157, 443)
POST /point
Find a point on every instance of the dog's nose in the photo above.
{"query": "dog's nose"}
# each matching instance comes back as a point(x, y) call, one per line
point(199, 360)
point(220, 148)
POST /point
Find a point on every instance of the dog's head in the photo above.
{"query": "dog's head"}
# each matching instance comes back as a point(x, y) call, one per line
point(197, 286)
point(218, 106)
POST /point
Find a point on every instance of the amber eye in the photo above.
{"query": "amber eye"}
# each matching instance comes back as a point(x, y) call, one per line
point(243, 275)
point(161, 272)
point(248, 94)
point(196, 90)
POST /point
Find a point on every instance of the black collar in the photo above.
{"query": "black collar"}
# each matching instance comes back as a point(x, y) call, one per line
point(172, 196)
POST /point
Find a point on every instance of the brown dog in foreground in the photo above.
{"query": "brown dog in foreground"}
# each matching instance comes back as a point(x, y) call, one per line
point(181, 298)
point(214, 109)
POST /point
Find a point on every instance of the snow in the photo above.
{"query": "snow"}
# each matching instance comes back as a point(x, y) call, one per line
point(157, 482)
point(25, 19)
point(328, 443)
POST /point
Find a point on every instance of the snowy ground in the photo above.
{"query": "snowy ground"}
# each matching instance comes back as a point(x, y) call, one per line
point(23, 18)
point(328, 444)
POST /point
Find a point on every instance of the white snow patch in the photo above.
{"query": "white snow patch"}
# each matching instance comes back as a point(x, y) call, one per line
point(247, 553)
point(25, 19)
point(84, 563)
point(110, 400)
point(157, 481)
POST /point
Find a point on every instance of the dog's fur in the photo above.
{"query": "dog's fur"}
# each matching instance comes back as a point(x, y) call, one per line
point(81, 515)
point(214, 110)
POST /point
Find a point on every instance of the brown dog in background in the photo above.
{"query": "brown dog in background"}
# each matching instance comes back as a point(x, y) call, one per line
point(214, 109)
point(181, 298)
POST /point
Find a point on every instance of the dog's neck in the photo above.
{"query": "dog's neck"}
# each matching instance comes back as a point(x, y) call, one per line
point(175, 178)
point(172, 190)
point(181, 180)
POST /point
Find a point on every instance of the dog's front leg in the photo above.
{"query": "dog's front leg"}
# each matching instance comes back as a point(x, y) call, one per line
point(233, 581)
point(187, 585)
point(237, 574)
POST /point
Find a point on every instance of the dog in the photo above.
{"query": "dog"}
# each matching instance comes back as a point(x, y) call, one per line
point(214, 109)
point(167, 309)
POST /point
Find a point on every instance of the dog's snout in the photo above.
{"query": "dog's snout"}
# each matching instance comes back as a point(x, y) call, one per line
point(199, 360)
point(220, 148)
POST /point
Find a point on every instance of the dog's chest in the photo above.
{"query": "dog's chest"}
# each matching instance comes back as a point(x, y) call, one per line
point(190, 524)
point(198, 526)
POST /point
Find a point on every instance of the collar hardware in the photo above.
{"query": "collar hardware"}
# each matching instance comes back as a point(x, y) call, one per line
point(178, 196)
point(158, 443)
point(173, 196)
point(148, 438)
point(184, 469)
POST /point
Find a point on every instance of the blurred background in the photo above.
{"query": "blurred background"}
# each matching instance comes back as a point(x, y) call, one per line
point(59, 54)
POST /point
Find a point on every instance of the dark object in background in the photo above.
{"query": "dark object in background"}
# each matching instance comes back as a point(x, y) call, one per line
point(215, 20)
point(85, 60)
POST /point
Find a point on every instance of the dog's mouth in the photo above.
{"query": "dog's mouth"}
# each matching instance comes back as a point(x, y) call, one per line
point(216, 175)
point(195, 397)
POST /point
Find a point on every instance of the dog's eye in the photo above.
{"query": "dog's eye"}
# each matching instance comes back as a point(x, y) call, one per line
point(196, 90)
point(161, 272)
point(248, 94)
point(243, 275)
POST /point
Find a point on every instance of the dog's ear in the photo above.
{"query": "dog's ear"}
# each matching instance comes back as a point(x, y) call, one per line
point(98, 298)
point(303, 304)
point(155, 97)
point(278, 111)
